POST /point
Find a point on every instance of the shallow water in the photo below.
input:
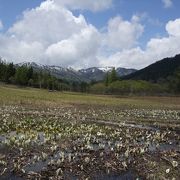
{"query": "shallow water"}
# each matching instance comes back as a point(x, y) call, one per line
point(163, 147)
point(119, 124)
point(10, 176)
point(100, 144)
point(128, 175)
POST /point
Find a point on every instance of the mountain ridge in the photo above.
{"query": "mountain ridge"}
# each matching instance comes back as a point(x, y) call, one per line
point(87, 75)
point(159, 70)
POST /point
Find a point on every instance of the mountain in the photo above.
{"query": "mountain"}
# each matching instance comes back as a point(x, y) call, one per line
point(87, 75)
point(57, 71)
point(95, 73)
point(123, 71)
point(98, 73)
point(156, 71)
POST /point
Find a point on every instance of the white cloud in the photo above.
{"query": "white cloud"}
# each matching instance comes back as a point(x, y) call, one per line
point(156, 49)
point(50, 34)
point(1, 25)
point(93, 5)
point(78, 50)
point(173, 27)
point(47, 24)
point(123, 34)
point(167, 3)
point(129, 58)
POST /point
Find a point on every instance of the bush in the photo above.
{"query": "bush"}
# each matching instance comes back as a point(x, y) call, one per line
point(98, 88)
point(135, 87)
point(128, 87)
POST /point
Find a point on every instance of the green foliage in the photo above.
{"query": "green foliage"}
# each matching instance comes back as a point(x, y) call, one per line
point(135, 87)
point(84, 87)
point(174, 81)
point(98, 88)
point(127, 87)
point(106, 81)
point(113, 76)
point(30, 73)
point(177, 76)
point(21, 76)
point(3, 68)
point(110, 77)
point(7, 71)
point(26, 76)
point(10, 72)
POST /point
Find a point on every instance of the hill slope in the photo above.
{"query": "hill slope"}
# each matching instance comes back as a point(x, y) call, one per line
point(159, 70)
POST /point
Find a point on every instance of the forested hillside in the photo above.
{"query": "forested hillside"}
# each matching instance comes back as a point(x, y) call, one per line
point(157, 71)
point(162, 77)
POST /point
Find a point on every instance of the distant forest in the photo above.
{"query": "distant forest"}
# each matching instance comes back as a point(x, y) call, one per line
point(26, 76)
point(158, 71)
point(162, 77)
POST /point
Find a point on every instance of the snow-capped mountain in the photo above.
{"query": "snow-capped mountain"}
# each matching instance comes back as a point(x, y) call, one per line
point(98, 73)
point(95, 73)
point(57, 71)
point(89, 74)
point(105, 69)
point(123, 71)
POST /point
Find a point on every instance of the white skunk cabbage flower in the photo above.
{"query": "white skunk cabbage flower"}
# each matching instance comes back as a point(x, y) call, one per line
point(86, 159)
point(174, 163)
point(124, 164)
point(127, 153)
point(58, 172)
point(167, 171)
point(69, 157)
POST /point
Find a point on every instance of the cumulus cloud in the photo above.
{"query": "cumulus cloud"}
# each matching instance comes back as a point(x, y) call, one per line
point(173, 27)
point(47, 24)
point(78, 50)
point(167, 3)
point(16, 50)
point(123, 34)
point(50, 34)
point(156, 49)
point(129, 58)
point(1, 25)
point(93, 5)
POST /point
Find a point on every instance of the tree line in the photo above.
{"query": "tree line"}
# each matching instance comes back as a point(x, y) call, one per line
point(26, 76)
point(112, 84)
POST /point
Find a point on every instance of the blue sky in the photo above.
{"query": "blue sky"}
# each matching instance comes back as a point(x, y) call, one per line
point(139, 26)
point(11, 10)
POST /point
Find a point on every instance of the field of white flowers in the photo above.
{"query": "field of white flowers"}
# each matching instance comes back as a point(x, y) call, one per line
point(87, 141)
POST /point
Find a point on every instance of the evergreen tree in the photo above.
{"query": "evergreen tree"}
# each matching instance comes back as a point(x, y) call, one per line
point(30, 73)
point(3, 68)
point(113, 76)
point(177, 75)
point(106, 81)
point(10, 72)
point(83, 87)
point(21, 75)
point(40, 79)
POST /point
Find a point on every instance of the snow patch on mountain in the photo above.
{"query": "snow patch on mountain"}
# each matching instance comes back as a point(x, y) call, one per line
point(89, 74)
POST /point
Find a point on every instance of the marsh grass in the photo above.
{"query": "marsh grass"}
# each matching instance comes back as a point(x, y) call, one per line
point(39, 97)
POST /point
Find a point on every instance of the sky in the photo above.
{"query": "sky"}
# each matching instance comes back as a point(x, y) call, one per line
point(88, 33)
